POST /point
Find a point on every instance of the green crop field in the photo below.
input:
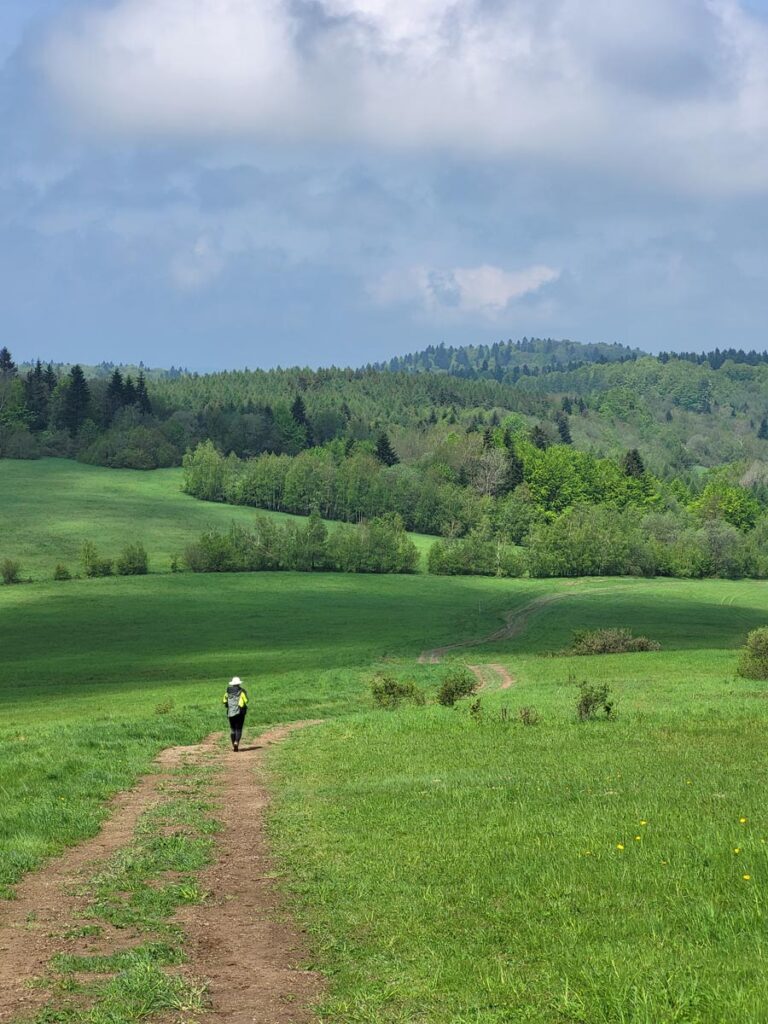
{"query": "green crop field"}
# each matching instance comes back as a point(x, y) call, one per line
point(450, 867)
point(50, 507)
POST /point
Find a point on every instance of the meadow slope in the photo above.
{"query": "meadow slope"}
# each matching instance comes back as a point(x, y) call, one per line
point(49, 507)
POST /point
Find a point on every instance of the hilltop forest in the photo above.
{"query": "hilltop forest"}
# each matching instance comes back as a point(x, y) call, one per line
point(536, 456)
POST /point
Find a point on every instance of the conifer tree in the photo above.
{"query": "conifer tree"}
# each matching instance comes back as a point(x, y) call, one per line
point(632, 464)
point(539, 437)
point(7, 365)
point(142, 395)
point(51, 379)
point(762, 433)
point(129, 391)
point(37, 397)
point(114, 398)
point(563, 428)
point(384, 451)
point(567, 405)
point(299, 413)
point(76, 400)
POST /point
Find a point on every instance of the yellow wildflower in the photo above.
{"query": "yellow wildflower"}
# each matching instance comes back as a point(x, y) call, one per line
point(746, 877)
point(742, 821)
point(619, 846)
point(737, 849)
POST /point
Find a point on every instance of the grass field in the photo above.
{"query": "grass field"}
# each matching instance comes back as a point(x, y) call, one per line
point(454, 870)
point(97, 675)
point(450, 868)
point(48, 508)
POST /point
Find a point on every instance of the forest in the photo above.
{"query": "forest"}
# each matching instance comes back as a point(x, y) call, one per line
point(509, 453)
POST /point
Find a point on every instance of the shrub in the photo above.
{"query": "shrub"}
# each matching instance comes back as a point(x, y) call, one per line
point(458, 682)
point(388, 693)
point(610, 641)
point(133, 561)
point(93, 564)
point(594, 701)
point(10, 570)
point(61, 572)
point(753, 663)
point(528, 716)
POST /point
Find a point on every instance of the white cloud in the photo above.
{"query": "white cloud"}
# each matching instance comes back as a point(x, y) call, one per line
point(195, 267)
point(485, 290)
point(666, 90)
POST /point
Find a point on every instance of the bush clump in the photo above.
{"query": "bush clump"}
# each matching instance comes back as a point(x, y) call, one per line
point(459, 682)
point(389, 693)
point(610, 641)
point(93, 564)
point(594, 701)
point(10, 570)
point(61, 572)
point(133, 561)
point(753, 663)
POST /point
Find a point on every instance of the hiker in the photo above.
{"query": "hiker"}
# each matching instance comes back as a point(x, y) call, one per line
point(236, 700)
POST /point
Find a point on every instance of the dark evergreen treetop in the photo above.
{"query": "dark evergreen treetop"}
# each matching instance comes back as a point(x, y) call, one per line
point(7, 365)
point(632, 463)
point(385, 453)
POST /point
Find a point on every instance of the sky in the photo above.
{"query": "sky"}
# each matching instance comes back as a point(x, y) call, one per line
point(228, 183)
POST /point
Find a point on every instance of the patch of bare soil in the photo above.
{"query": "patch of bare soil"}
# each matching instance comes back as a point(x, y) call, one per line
point(241, 941)
point(492, 677)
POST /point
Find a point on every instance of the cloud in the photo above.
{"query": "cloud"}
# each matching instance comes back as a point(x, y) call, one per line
point(485, 290)
point(196, 267)
point(667, 92)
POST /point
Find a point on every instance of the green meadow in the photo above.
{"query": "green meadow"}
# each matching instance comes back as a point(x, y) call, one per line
point(48, 508)
point(451, 867)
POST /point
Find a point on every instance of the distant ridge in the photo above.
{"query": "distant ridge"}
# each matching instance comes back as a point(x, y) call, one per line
point(508, 361)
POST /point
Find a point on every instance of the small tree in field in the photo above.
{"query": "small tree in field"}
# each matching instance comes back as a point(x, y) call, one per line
point(133, 561)
point(753, 663)
point(93, 564)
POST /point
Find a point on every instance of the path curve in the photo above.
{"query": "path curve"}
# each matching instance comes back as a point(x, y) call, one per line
point(245, 946)
point(515, 621)
point(492, 677)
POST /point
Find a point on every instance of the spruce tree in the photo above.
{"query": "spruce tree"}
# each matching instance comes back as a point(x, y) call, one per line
point(567, 405)
point(513, 475)
point(563, 428)
point(129, 391)
point(7, 365)
point(51, 380)
point(142, 395)
point(539, 437)
point(384, 451)
point(632, 464)
point(299, 413)
point(37, 397)
point(762, 433)
point(114, 398)
point(76, 400)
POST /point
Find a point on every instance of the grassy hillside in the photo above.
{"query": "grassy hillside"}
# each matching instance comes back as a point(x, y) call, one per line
point(454, 869)
point(49, 507)
point(97, 675)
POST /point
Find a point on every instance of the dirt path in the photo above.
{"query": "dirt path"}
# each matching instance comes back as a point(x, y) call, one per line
point(515, 623)
point(492, 677)
point(240, 940)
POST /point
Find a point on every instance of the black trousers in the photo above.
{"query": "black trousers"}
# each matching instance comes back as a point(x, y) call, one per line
point(236, 723)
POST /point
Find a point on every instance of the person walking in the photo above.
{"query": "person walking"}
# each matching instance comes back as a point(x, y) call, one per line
point(236, 700)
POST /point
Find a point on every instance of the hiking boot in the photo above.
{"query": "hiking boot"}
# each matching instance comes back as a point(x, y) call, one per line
point(235, 746)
